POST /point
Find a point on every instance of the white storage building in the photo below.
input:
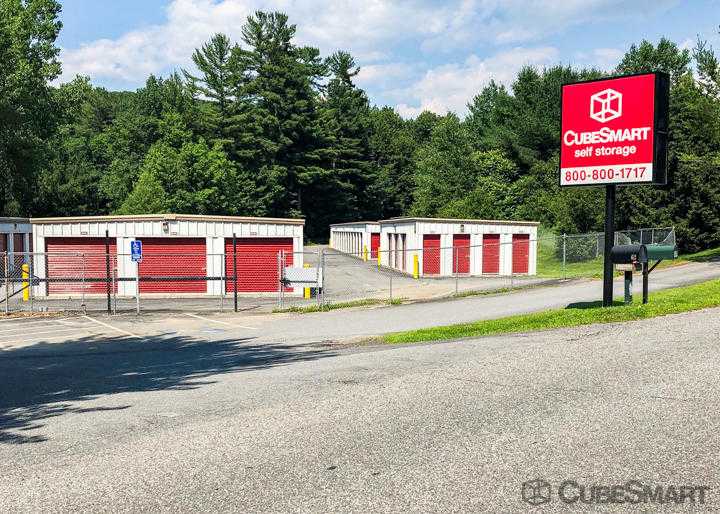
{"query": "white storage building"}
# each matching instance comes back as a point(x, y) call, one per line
point(444, 247)
point(355, 238)
point(15, 235)
point(177, 249)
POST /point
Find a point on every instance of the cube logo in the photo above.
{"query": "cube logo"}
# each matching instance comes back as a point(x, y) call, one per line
point(606, 105)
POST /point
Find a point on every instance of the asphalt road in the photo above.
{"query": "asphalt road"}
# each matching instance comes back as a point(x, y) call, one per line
point(177, 424)
point(346, 324)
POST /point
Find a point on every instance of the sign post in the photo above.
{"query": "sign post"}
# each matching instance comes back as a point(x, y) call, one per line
point(136, 257)
point(614, 132)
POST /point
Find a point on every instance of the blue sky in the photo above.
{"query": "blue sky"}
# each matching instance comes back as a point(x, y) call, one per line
point(414, 54)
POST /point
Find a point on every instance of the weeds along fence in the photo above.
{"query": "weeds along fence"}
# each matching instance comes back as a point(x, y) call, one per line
point(316, 278)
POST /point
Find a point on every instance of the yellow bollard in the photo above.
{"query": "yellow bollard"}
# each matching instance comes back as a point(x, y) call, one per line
point(365, 253)
point(306, 291)
point(25, 284)
point(416, 267)
point(378, 257)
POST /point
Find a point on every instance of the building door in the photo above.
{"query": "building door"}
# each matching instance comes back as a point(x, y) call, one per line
point(173, 265)
point(81, 262)
point(431, 254)
point(491, 254)
point(374, 245)
point(257, 263)
point(461, 253)
point(520, 253)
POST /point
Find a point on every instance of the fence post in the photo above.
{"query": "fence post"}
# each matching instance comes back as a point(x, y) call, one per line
point(32, 281)
point(114, 287)
point(235, 277)
point(391, 276)
point(324, 276)
point(318, 272)
point(137, 288)
point(107, 270)
point(457, 270)
point(564, 256)
point(82, 256)
point(7, 283)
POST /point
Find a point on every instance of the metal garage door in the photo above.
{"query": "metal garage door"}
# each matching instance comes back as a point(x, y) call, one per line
point(461, 253)
point(374, 245)
point(491, 254)
point(77, 260)
point(173, 265)
point(18, 243)
point(520, 253)
point(431, 254)
point(257, 263)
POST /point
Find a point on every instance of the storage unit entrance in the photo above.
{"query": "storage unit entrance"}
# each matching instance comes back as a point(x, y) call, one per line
point(360, 239)
point(447, 247)
point(181, 254)
point(15, 241)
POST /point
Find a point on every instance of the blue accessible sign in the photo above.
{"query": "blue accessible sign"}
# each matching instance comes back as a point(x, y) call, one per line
point(136, 251)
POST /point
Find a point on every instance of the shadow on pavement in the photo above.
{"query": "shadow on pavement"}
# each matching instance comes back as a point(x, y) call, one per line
point(48, 379)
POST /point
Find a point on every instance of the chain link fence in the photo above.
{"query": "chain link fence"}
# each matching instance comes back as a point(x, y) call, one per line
point(314, 279)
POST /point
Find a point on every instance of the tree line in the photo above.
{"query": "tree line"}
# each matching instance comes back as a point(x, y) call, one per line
point(266, 127)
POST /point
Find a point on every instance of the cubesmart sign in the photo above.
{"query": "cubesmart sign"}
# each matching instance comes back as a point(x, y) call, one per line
point(614, 131)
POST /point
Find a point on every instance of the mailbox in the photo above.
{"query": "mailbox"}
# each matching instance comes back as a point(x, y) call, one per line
point(660, 252)
point(629, 254)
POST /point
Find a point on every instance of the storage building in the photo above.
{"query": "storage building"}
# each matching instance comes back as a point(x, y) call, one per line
point(445, 247)
point(190, 254)
point(15, 235)
point(356, 237)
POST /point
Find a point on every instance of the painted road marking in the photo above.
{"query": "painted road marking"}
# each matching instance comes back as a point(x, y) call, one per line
point(106, 325)
point(38, 332)
point(218, 321)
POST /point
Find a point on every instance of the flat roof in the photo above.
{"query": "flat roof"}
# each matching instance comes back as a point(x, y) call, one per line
point(454, 220)
point(355, 223)
point(167, 217)
point(14, 220)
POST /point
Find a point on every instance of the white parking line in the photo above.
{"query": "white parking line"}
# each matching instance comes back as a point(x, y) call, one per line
point(125, 332)
point(217, 321)
point(30, 333)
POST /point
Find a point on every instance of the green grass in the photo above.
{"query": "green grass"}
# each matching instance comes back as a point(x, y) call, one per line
point(671, 301)
point(706, 255)
point(304, 309)
point(549, 265)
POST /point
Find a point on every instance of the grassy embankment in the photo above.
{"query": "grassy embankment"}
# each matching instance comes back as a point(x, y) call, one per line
point(670, 301)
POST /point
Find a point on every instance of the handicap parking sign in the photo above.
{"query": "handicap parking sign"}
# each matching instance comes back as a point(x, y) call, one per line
point(136, 251)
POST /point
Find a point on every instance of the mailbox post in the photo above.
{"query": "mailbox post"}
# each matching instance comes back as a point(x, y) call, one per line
point(629, 258)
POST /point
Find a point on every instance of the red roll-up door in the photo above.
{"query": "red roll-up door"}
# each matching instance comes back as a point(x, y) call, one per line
point(18, 243)
point(257, 263)
point(461, 253)
point(374, 245)
point(431, 254)
point(180, 260)
point(78, 260)
point(491, 254)
point(520, 253)
point(2, 257)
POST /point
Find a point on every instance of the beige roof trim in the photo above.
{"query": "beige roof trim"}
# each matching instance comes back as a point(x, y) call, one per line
point(167, 217)
point(453, 220)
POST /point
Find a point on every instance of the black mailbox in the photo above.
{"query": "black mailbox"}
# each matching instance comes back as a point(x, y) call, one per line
point(629, 254)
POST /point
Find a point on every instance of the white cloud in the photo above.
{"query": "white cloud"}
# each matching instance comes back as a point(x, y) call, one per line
point(372, 30)
point(450, 87)
point(366, 29)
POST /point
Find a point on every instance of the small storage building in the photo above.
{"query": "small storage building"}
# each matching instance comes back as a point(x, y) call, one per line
point(356, 238)
point(15, 235)
point(445, 247)
point(190, 254)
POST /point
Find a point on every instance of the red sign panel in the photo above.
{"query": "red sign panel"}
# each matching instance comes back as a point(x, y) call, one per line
point(614, 131)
